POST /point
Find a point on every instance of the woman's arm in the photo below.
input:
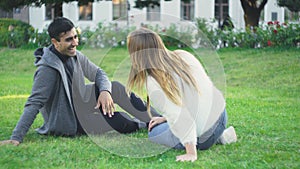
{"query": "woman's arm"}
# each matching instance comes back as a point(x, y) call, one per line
point(191, 153)
point(181, 121)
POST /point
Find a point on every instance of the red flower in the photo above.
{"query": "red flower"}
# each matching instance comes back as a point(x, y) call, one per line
point(270, 23)
point(276, 22)
point(275, 31)
point(269, 43)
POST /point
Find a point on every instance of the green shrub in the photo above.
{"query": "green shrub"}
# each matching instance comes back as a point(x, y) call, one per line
point(284, 34)
point(14, 33)
point(104, 36)
point(273, 34)
point(40, 39)
point(207, 34)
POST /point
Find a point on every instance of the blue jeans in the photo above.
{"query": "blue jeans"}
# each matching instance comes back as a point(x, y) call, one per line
point(161, 134)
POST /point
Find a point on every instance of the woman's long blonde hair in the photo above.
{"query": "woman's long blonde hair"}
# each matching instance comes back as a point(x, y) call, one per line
point(149, 56)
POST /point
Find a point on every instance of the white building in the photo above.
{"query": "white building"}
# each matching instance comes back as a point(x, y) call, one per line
point(173, 11)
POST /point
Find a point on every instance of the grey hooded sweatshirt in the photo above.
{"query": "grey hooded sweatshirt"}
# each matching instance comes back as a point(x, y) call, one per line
point(51, 95)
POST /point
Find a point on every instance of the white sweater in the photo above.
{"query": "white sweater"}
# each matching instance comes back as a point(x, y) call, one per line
point(198, 112)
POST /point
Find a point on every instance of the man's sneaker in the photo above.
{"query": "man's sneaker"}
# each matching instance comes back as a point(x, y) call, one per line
point(228, 136)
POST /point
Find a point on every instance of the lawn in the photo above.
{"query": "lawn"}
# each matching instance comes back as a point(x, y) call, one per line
point(263, 104)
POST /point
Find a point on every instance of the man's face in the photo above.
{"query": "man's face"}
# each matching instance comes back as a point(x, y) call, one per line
point(68, 43)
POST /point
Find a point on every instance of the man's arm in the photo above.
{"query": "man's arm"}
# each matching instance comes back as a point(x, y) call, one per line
point(43, 86)
point(102, 81)
point(94, 73)
point(97, 75)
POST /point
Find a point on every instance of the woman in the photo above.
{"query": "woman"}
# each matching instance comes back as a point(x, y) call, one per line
point(193, 109)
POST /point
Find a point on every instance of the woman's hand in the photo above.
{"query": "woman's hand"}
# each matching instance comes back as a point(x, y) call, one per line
point(187, 157)
point(191, 153)
point(155, 121)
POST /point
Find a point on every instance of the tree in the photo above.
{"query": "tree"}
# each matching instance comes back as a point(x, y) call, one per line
point(147, 3)
point(292, 5)
point(9, 5)
point(150, 3)
point(252, 11)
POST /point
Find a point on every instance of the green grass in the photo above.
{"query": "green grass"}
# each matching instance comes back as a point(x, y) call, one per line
point(263, 104)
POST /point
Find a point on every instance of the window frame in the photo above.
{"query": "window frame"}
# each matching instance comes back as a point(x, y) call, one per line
point(120, 9)
point(187, 10)
point(85, 12)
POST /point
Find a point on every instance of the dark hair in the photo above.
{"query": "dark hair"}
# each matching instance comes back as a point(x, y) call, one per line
point(58, 26)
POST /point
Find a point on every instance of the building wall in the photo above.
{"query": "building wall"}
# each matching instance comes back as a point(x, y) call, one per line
point(36, 18)
point(205, 9)
point(236, 13)
point(170, 13)
point(272, 7)
point(22, 14)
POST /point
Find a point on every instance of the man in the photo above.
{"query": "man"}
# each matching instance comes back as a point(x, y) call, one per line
point(53, 90)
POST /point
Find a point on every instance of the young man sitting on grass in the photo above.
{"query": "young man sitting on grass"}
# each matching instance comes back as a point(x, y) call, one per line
point(53, 91)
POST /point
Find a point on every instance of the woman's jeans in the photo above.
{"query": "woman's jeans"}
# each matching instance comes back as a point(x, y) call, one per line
point(161, 134)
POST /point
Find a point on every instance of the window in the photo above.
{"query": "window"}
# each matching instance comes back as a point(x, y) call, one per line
point(49, 15)
point(221, 10)
point(17, 10)
point(153, 13)
point(274, 16)
point(86, 11)
point(119, 9)
point(187, 10)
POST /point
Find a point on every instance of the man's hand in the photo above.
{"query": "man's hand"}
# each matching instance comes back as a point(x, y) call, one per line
point(155, 121)
point(13, 142)
point(106, 102)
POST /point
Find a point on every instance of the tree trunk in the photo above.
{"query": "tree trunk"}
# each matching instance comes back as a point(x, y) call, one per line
point(252, 18)
point(58, 10)
point(252, 12)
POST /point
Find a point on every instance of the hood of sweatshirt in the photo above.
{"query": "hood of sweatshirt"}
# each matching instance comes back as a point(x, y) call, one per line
point(44, 56)
point(38, 55)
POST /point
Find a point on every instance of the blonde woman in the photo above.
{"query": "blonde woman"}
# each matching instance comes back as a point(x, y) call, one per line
point(192, 108)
